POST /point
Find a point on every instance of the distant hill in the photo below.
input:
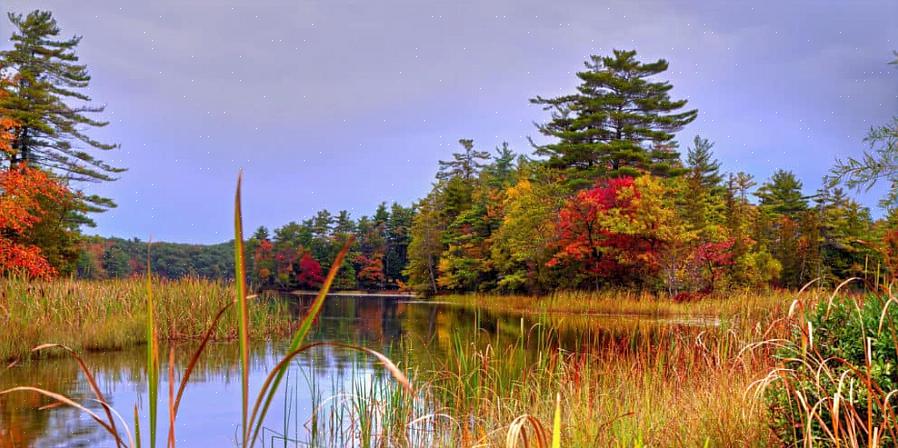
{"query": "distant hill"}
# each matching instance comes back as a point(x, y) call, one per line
point(103, 257)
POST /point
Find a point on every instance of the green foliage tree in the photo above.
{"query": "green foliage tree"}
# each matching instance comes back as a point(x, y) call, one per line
point(426, 245)
point(464, 165)
point(619, 123)
point(782, 195)
point(703, 196)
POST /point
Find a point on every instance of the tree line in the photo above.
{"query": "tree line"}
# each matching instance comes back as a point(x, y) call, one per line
point(293, 256)
point(608, 201)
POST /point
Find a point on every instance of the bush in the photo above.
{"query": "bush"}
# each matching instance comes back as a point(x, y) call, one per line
point(826, 388)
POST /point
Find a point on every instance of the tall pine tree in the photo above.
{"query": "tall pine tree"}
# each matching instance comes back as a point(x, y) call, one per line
point(781, 195)
point(619, 123)
point(46, 98)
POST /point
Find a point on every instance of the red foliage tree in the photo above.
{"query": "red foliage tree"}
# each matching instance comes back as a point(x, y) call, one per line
point(263, 262)
point(593, 232)
point(310, 274)
point(711, 258)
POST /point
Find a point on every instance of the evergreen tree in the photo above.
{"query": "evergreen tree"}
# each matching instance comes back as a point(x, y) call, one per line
point(879, 163)
point(115, 262)
point(619, 123)
point(781, 195)
point(702, 165)
point(501, 171)
point(398, 238)
point(739, 185)
point(465, 165)
point(46, 98)
point(703, 198)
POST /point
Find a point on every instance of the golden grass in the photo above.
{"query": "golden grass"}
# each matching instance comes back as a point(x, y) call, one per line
point(724, 305)
point(112, 314)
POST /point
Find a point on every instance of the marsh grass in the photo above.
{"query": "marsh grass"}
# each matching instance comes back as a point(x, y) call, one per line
point(653, 385)
point(112, 314)
point(742, 304)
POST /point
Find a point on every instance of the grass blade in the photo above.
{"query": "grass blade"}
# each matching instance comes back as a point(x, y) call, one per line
point(136, 427)
point(171, 397)
point(152, 353)
point(91, 381)
point(269, 387)
point(240, 279)
point(66, 401)
point(556, 424)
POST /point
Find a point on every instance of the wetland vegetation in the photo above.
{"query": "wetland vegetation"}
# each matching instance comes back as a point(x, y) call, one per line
point(599, 291)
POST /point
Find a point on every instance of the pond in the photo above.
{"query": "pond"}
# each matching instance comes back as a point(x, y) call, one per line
point(417, 335)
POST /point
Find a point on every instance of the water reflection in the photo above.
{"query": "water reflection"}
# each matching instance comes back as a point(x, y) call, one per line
point(416, 334)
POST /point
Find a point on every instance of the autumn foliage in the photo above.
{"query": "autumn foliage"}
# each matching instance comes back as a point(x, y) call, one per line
point(23, 191)
point(310, 274)
point(608, 232)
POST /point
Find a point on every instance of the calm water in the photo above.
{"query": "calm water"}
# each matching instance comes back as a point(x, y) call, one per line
point(419, 333)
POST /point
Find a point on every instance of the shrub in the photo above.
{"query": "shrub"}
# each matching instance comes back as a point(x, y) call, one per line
point(834, 377)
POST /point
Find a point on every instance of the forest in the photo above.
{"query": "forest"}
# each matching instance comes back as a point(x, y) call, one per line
point(611, 203)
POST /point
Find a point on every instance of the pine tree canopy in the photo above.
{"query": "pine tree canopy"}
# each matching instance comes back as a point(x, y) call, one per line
point(45, 97)
point(465, 165)
point(782, 195)
point(619, 123)
point(701, 163)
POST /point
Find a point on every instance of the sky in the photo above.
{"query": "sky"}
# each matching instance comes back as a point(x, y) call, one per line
point(344, 104)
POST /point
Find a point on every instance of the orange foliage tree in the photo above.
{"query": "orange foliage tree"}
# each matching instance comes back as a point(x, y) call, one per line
point(22, 190)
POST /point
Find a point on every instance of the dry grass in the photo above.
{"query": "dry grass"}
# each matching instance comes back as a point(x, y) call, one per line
point(724, 305)
point(111, 314)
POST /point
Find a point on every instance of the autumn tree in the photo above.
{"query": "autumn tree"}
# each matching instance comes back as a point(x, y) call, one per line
point(309, 274)
point(523, 242)
point(46, 98)
point(23, 193)
point(620, 122)
point(616, 231)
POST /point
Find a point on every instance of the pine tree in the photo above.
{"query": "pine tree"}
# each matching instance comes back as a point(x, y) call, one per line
point(426, 245)
point(619, 123)
point(45, 96)
point(702, 164)
point(781, 195)
point(703, 199)
point(465, 165)
point(739, 185)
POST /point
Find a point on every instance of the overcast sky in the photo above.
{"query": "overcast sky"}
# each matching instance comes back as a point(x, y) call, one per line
point(344, 104)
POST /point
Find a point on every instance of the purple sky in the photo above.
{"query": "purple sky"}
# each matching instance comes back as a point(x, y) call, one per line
point(344, 104)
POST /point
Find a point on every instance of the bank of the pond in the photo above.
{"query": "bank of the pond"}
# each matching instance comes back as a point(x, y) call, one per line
point(750, 305)
point(110, 314)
